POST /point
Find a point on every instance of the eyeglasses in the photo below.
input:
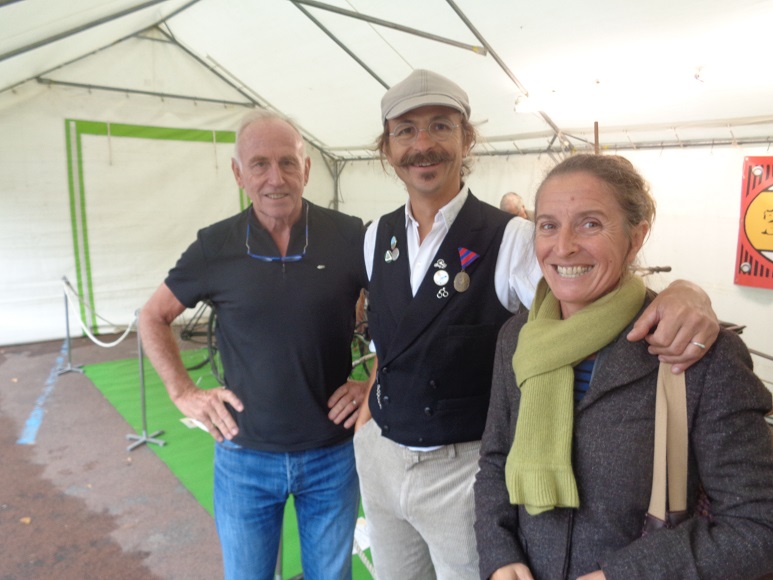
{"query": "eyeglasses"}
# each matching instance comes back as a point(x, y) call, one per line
point(283, 259)
point(407, 132)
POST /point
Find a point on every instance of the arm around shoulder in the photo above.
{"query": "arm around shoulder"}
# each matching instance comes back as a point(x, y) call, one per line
point(679, 325)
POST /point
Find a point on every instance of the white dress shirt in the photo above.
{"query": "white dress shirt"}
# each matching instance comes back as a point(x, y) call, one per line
point(517, 271)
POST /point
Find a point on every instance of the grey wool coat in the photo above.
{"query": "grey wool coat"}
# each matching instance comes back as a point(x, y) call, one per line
point(730, 454)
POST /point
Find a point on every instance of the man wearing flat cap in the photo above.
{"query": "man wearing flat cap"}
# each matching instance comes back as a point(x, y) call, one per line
point(446, 270)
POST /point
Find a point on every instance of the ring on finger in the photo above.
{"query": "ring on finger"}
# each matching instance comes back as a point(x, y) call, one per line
point(700, 345)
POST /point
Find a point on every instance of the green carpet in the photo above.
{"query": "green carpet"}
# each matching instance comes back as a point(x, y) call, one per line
point(188, 452)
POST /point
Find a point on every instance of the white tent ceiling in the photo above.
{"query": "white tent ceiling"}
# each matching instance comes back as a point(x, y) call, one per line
point(659, 73)
point(117, 118)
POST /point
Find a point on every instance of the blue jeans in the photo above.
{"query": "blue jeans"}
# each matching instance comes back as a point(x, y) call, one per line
point(251, 489)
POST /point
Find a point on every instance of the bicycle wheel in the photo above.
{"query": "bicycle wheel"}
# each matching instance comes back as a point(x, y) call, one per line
point(214, 356)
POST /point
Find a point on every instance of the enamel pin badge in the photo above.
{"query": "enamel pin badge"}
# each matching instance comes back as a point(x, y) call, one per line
point(393, 252)
point(441, 277)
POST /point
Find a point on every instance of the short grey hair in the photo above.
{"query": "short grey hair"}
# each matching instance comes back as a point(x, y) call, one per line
point(261, 115)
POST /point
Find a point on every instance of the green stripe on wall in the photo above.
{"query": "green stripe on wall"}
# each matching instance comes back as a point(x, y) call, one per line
point(74, 129)
point(150, 132)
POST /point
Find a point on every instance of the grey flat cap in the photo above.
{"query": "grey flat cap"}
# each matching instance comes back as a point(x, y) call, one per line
point(420, 89)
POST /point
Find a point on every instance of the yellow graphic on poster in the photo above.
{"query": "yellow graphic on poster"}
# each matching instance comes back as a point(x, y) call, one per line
point(754, 262)
point(759, 222)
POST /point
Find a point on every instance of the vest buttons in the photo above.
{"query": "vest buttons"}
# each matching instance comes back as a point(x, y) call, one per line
point(385, 399)
point(428, 411)
point(421, 439)
point(432, 383)
point(385, 370)
point(385, 429)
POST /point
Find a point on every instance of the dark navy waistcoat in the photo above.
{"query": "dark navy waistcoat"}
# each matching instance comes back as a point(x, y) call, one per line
point(436, 349)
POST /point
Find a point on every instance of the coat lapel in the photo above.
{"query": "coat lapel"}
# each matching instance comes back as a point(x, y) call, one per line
point(398, 272)
point(624, 362)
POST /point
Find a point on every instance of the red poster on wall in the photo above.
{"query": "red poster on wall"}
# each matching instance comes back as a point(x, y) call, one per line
point(754, 261)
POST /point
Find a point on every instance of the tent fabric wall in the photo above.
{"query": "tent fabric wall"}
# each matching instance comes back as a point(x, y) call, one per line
point(163, 179)
point(139, 203)
point(698, 192)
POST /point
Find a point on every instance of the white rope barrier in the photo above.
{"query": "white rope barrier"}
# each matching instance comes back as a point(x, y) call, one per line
point(70, 291)
point(362, 543)
point(364, 558)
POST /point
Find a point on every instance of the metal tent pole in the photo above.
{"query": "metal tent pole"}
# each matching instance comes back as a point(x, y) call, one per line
point(144, 438)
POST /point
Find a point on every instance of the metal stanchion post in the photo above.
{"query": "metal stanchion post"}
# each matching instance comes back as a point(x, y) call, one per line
point(278, 567)
point(69, 368)
point(144, 438)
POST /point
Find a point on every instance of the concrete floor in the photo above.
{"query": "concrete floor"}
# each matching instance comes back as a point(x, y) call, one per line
point(81, 447)
point(132, 499)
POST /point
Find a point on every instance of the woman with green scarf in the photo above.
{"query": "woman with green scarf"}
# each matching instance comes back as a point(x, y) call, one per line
point(567, 455)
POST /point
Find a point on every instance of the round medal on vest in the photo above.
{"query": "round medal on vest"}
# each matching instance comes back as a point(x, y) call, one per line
point(461, 281)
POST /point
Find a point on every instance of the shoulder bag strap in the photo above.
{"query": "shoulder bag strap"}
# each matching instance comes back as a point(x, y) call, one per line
point(670, 458)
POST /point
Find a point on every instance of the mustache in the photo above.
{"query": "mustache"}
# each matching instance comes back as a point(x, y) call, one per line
point(418, 157)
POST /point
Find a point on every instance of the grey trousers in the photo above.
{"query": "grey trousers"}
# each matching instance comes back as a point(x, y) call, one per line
point(419, 507)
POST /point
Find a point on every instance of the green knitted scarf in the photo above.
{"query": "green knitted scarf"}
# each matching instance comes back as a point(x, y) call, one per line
point(538, 472)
